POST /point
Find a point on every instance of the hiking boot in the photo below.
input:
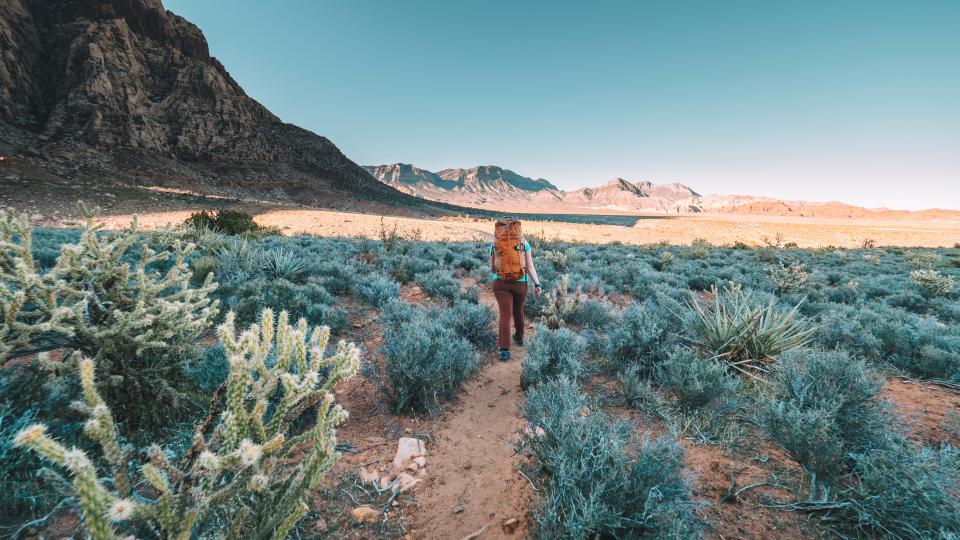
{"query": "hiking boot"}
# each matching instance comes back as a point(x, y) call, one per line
point(504, 354)
point(518, 340)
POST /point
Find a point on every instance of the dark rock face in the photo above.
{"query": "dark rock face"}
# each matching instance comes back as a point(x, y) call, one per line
point(137, 85)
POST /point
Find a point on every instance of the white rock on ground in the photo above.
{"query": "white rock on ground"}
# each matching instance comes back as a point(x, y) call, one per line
point(408, 449)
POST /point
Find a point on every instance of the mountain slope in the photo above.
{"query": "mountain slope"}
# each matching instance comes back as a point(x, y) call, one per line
point(123, 90)
point(483, 186)
point(495, 188)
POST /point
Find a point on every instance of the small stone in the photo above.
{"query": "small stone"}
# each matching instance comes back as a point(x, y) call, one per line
point(457, 509)
point(510, 525)
point(407, 482)
point(368, 476)
point(365, 514)
point(408, 449)
point(420, 461)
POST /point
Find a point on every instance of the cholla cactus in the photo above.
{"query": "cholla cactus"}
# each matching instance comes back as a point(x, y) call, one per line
point(560, 303)
point(137, 316)
point(252, 470)
point(792, 277)
point(93, 301)
point(557, 258)
point(666, 259)
point(921, 260)
point(932, 282)
point(29, 299)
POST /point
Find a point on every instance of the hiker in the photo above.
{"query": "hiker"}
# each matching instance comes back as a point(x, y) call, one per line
point(511, 264)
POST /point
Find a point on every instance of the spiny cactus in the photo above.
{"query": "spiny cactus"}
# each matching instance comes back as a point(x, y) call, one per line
point(932, 282)
point(112, 297)
point(789, 277)
point(29, 299)
point(250, 472)
point(561, 303)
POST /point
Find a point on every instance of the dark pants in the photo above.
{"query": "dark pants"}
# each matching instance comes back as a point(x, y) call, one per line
point(510, 296)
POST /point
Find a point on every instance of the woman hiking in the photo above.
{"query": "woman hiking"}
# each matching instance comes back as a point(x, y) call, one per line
point(511, 264)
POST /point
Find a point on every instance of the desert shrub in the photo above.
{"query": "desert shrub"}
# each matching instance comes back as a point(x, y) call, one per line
point(552, 353)
point(229, 221)
point(46, 243)
point(140, 323)
point(932, 282)
point(212, 369)
point(309, 301)
point(426, 361)
point(336, 277)
point(601, 481)
point(405, 268)
point(822, 407)
point(918, 344)
point(696, 381)
point(247, 475)
point(766, 255)
point(473, 322)
point(377, 290)
point(787, 278)
point(700, 249)
point(639, 392)
point(590, 313)
point(745, 334)
point(899, 491)
point(439, 284)
point(639, 336)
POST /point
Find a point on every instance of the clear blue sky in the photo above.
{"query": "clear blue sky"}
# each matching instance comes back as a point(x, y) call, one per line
point(818, 100)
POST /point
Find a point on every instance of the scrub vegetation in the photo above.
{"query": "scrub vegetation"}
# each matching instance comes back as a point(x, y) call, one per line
point(127, 392)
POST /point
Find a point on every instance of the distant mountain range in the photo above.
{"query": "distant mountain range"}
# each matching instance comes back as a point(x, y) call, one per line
point(496, 188)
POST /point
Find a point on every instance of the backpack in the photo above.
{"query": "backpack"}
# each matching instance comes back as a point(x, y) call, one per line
point(509, 250)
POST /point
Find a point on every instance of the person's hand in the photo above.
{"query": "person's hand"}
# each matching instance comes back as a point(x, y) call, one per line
point(538, 290)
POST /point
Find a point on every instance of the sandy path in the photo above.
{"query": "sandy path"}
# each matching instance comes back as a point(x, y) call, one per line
point(472, 476)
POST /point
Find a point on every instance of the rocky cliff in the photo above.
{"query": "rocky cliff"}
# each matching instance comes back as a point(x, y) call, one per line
point(123, 90)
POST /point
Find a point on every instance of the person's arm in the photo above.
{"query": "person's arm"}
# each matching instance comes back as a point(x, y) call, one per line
point(533, 272)
point(492, 269)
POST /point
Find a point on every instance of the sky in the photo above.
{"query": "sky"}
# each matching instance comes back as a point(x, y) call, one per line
point(850, 100)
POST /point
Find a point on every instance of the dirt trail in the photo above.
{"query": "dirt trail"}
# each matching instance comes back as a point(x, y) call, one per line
point(472, 478)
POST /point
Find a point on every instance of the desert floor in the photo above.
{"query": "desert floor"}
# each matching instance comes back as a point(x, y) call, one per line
point(716, 229)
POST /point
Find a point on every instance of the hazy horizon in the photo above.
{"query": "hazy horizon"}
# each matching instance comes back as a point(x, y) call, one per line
point(853, 102)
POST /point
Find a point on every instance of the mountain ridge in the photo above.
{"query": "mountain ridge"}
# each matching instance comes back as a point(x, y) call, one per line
point(620, 195)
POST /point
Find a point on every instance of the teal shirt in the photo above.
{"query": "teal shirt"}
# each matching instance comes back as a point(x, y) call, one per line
point(521, 280)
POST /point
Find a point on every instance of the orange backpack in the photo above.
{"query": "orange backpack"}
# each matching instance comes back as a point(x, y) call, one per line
point(509, 250)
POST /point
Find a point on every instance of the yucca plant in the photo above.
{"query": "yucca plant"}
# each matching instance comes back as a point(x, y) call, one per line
point(280, 263)
point(248, 475)
point(743, 333)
